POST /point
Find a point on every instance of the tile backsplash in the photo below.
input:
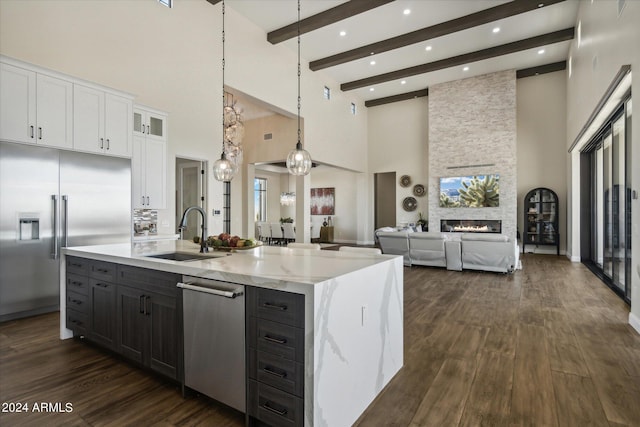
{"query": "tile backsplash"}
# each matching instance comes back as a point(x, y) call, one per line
point(145, 221)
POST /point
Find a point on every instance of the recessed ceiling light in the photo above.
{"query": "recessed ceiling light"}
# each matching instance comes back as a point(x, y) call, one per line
point(496, 30)
point(343, 33)
point(541, 51)
point(427, 48)
point(372, 53)
point(403, 82)
point(540, 4)
point(372, 63)
point(407, 11)
point(465, 69)
point(371, 89)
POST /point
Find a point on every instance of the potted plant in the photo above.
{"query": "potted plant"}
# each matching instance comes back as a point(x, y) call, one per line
point(286, 220)
point(422, 222)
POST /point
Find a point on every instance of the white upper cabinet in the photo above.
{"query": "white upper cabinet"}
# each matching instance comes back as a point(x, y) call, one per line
point(150, 124)
point(149, 159)
point(35, 108)
point(102, 121)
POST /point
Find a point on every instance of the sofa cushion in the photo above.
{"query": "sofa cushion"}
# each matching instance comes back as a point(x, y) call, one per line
point(485, 237)
point(427, 236)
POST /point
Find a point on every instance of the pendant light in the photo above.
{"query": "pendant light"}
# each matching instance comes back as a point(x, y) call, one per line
point(299, 159)
point(223, 169)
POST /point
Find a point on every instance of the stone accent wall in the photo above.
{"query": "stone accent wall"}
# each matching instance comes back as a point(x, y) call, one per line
point(472, 122)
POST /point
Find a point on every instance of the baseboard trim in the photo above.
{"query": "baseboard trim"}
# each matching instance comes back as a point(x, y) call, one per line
point(634, 321)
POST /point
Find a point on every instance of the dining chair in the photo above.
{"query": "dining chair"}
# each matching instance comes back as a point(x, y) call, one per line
point(264, 232)
point(276, 233)
point(289, 232)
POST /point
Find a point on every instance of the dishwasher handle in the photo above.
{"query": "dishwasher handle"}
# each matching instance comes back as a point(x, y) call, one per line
point(207, 290)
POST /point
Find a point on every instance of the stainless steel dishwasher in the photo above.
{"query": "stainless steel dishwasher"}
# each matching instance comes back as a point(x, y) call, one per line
point(214, 344)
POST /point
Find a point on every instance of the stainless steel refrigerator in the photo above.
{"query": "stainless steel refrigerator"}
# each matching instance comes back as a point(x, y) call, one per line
point(51, 199)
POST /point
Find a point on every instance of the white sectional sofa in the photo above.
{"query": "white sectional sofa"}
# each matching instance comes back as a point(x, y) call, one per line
point(427, 249)
point(472, 251)
point(489, 252)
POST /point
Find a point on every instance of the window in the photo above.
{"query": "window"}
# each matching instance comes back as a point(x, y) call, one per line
point(327, 92)
point(353, 108)
point(260, 198)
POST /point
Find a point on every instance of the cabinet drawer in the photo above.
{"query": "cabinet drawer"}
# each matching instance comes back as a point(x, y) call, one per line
point(149, 280)
point(277, 306)
point(103, 270)
point(277, 372)
point(78, 302)
point(79, 284)
point(273, 406)
point(277, 339)
point(77, 265)
point(77, 322)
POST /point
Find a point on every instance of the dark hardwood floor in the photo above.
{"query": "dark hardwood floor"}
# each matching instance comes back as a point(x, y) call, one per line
point(547, 346)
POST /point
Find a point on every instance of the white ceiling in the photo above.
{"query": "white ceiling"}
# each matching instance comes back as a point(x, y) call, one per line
point(389, 20)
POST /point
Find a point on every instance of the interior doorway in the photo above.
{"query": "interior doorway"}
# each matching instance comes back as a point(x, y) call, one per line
point(191, 188)
point(385, 199)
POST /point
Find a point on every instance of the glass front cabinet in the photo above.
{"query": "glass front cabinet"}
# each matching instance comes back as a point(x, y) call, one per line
point(541, 219)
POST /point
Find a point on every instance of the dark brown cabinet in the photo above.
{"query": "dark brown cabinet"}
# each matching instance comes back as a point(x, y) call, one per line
point(148, 319)
point(91, 300)
point(541, 219)
point(102, 306)
point(130, 310)
point(275, 355)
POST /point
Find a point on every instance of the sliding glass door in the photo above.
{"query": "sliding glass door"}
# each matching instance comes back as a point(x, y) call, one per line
point(610, 228)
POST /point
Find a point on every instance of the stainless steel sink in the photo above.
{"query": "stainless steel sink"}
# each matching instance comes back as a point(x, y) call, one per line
point(185, 256)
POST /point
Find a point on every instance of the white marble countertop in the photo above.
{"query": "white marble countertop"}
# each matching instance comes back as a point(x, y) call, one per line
point(265, 266)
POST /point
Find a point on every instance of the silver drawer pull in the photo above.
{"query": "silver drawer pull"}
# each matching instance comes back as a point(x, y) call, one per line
point(269, 371)
point(275, 340)
point(274, 306)
point(75, 283)
point(75, 301)
point(274, 410)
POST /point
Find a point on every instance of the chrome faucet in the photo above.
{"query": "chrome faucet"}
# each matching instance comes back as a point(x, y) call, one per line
point(203, 237)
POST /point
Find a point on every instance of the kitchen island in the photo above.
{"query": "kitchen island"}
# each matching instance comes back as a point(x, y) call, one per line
point(353, 312)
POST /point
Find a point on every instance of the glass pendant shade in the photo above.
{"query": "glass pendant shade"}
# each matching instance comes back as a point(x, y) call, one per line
point(299, 161)
point(223, 169)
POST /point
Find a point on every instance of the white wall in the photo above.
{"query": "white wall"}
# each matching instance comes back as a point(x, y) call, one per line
point(398, 142)
point(607, 42)
point(541, 134)
point(171, 60)
point(345, 221)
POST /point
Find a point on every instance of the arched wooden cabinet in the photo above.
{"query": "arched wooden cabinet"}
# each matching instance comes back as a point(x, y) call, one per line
point(541, 219)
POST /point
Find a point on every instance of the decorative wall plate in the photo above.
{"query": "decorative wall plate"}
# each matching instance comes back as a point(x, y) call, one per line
point(418, 190)
point(409, 204)
point(405, 180)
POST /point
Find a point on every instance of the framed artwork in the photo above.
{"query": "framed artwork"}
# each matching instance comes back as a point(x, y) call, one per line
point(323, 201)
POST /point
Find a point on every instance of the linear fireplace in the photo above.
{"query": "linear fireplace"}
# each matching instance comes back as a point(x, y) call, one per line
point(471, 225)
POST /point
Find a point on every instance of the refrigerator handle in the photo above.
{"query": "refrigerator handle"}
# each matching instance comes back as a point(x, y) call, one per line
point(54, 244)
point(65, 224)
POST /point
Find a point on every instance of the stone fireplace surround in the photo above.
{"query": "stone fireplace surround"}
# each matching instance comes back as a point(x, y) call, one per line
point(471, 226)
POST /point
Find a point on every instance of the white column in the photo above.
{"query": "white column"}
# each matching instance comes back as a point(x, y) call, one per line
point(303, 209)
point(573, 210)
point(248, 213)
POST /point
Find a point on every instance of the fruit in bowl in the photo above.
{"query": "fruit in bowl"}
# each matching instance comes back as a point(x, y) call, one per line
point(225, 241)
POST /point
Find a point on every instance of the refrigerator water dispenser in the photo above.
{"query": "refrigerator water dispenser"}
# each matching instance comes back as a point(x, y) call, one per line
point(29, 227)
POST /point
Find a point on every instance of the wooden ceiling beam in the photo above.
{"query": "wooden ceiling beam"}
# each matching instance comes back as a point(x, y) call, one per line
point(464, 22)
point(520, 74)
point(492, 52)
point(395, 98)
point(541, 69)
point(322, 19)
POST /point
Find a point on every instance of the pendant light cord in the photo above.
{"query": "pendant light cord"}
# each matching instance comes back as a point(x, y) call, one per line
point(299, 144)
point(223, 64)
